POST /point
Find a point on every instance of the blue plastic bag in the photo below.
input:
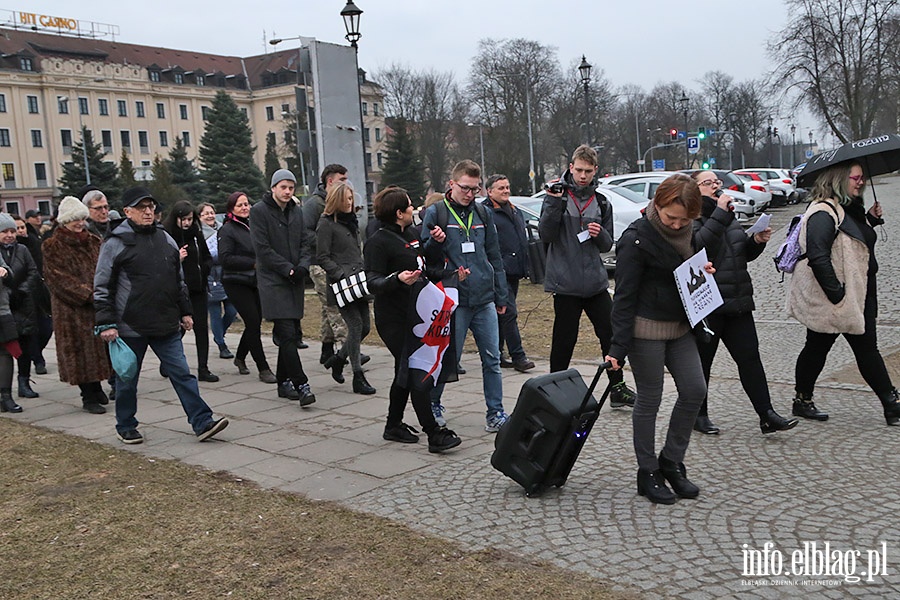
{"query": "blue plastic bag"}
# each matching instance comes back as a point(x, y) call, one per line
point(124, 362)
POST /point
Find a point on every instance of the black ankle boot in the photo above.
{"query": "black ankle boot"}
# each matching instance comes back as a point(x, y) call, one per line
point(653, 485)
point(773, 422)
point(25, 390)
point(360, 385)
point(676, 475)
point(704, 425)
point(7, 404)
point(327, 352)
point(891, 404)
point(336, 363)
point(805, 407)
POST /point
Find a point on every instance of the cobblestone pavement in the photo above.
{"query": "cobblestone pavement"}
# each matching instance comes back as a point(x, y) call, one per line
point(831, 482)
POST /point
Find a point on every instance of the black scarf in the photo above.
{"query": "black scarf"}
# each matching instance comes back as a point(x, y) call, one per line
point(348, 220)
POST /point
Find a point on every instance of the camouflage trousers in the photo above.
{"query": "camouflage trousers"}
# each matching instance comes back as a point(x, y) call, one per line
point(333, 327)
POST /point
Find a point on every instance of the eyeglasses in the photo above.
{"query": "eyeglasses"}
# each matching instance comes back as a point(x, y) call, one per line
point(104, 207)
point(857, 178)
point(144, 207)
point(468, 190)
point(717, 182)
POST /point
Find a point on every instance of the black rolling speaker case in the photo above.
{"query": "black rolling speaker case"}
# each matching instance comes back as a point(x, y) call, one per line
point(540, 442)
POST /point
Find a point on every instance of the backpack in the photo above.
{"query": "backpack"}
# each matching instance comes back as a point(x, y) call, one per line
point(789, 253)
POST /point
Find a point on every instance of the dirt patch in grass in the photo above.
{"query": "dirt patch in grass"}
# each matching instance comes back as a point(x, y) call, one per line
point(83, 520)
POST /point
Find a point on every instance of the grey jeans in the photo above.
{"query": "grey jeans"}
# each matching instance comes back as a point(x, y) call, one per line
point(681, 358)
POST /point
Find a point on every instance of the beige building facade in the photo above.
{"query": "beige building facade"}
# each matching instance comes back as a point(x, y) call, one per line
point(139, 99)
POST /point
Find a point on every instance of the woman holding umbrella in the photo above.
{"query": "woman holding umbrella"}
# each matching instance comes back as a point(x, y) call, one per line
point(833, 292)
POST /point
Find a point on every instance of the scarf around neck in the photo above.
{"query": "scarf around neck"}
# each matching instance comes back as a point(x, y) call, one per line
point(679, 239)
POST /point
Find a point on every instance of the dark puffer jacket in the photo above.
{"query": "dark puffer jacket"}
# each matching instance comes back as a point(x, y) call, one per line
point(737, 249)
point(23, 282)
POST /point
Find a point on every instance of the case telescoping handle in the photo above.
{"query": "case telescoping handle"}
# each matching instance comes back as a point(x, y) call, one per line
point(600, 368)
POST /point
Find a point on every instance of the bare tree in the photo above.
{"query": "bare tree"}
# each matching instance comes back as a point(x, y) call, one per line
point(837, 54)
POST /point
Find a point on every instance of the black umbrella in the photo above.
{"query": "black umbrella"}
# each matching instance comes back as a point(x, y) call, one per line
point(877, 155)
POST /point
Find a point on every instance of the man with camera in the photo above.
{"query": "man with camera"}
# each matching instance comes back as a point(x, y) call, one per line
point(577, 227)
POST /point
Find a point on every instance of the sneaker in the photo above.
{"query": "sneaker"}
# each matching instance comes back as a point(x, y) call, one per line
point(305, 394)
point(439, 411)
point(621, 395)
point(442, 439)
point(495, 422)
point(287, 390)
point(212, 429)
point(522, 365)
point(505, 361)
point(402, 433)
point(132, 436)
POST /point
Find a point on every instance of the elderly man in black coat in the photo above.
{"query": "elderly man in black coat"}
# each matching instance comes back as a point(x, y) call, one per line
point(283, 256)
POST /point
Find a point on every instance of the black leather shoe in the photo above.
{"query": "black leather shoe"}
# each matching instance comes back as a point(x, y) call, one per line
point(301, 345)
point(676, 475)
point(704, 425)
point(505, 361)
point(205, 375)
point(805, 407)
point(653, 485)
point(7, 404)
point(25, 390)
point(364, 358)
point(327, 352)
point(241, 364)
point(287, 390)
point(891, 404)
point(95, 408)
point(773, 422)
point(40, 368)
point(360, 385)
point(336, 365)
point(523, 365)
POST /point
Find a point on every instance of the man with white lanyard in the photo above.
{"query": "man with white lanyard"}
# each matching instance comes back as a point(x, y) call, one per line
point(577, 226)
point(468, 239)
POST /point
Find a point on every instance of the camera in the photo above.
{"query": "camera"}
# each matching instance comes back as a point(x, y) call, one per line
point(557, 187)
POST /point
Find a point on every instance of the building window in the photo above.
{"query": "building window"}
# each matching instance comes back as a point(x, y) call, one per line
point(2, 103)
point(37, 139)
point(139, 109)
point(32, 105)
point(65, 136)
point(366, 135)
point(160, 110)
point(270, 113)
point(163, 138)
point(201, 80)
point(145, 163)
point(144, 142)
point(378, 134)
point(123, 108)
point(12, 207)
point(244, 111)
point(285, 109)
point(270, 137)
point(179, 78)
point(44, 208)
point(375, 109)
point(83, 106)
point(380, 159)
point(186, 138)
point(26, 64)
point(106, 138)
point(365, 109)
point(182, 108)
point(4, 138)
point(40, 175)
point(368, 160)
point(62, 104)
point(204, 113)
point(154, 76)
point(126, 139)
point(103, 107)
point(9, 176)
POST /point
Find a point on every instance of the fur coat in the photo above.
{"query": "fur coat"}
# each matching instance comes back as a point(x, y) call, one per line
point(69, 263)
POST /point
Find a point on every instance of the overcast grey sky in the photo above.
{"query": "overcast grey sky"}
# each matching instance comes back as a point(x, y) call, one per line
point(641, 42)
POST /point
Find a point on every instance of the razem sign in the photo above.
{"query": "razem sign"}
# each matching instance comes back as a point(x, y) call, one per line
point(46, 21)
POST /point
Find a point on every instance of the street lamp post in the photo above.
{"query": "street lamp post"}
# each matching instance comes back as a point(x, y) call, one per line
point(481, 143)
point(769, 136)
point(684, 109)
point(585, 70)
point(351, 15)
point(531, 173)
point(810, 141)
point(793, 146)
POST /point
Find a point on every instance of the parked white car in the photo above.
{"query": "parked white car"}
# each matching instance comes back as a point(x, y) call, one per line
point(779, 180)
point(745, 207)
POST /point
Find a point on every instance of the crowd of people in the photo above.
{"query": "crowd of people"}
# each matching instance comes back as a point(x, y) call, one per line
point(145, 279)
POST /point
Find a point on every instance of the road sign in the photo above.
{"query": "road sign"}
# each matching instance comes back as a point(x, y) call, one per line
point(693, 145)
point(531, 174)
point(681, 135)
point(659, 164)
point(710, 131)
point(809, 154)
point(712, 160)
point(641, 163)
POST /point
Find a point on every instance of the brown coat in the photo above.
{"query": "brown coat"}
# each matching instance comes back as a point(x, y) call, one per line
point(807, 302)
point(69, 263)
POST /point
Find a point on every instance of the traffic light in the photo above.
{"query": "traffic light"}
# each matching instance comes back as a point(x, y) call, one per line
point(774, 131)
point(701, 132)
point(673, 133)
point(705, 164)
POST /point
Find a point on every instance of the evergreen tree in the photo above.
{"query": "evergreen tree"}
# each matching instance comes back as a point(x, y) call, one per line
point(226, 154)
point(185, 175)
point(104, 175)
point(126, 171)
point(162, 187)
point(402, 165)
point(272, 162)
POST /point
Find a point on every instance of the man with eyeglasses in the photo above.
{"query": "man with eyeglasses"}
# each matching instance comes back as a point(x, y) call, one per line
point(577, 226)
point(468, 239)
point(98, 212)
point(140, 296)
